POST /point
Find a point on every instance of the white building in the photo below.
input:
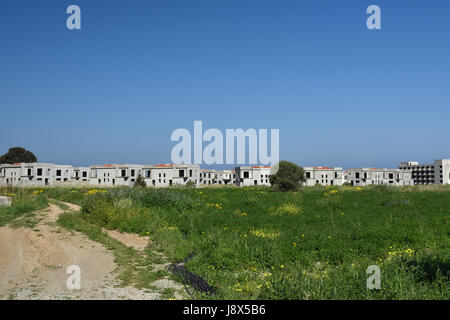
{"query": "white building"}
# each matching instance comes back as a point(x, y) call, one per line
point(227, 177)
point(324, 176)
point(111, 175)
point(34, 174)
point(373, 176)
point(167, 175)
point(81, 174)
point(252, 176)
point(436, 173)
point(208, 177)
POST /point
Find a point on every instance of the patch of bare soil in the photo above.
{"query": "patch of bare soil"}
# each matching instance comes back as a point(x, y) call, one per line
point(33, 262)
point(129, 239)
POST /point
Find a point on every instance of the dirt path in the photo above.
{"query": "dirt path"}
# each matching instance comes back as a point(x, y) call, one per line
point(33, 262)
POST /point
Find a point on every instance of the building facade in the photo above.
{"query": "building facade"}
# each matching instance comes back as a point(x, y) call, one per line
point(34, 174)
point(374, 176)
point(112, 175)
point(423, 174)
point(324, 176)
point(167, 175)
point(252, 176)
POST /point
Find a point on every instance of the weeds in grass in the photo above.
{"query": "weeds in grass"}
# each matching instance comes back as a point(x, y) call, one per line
point(315, 244)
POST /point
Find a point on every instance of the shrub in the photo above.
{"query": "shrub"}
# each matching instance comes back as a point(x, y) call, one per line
point(140, 182)
point(288, 178)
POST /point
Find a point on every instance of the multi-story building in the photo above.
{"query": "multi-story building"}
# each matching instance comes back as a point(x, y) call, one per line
point(324, 176)
point(252, 176)
point(436, 173)
point(34, 174)
point(373, 176)
point(216, 177)
point(166, 175)
point(226, 177)
point(80, 174)
point(111, 175)
point(208, 177)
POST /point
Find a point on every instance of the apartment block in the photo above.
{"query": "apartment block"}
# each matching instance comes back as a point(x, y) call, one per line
point(423, 174)
point(252, 176)
point(324, 176)
point(374, 176)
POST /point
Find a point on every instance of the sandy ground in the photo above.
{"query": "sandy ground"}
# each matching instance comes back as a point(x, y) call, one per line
point(33, 263)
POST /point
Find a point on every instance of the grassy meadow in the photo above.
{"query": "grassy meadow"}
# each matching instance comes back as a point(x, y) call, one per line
point(24, 201)
point(253, 243)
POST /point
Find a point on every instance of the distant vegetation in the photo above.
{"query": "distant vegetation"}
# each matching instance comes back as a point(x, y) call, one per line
point(18, 155)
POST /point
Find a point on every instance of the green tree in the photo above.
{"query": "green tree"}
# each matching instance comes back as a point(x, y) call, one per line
point(18, 155)
point(289, 177)
point(140, 182)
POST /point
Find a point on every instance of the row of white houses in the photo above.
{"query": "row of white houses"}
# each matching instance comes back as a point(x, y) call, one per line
point(166, 175)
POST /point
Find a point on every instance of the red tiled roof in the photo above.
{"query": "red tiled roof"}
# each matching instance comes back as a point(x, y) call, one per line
point(162, 165)
point(258, 167)
point(326, 168)
point(108, 165)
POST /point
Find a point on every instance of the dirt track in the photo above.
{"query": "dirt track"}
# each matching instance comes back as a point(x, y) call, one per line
point(33, 262)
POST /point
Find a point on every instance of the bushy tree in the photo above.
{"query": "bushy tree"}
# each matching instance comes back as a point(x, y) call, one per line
point(289, 177)
point(18, 155)
point(140, 182)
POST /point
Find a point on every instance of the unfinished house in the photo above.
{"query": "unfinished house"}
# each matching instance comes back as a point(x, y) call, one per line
point(374, 176)
point(252, 176)
point(33, 174)
point(112, 175)
point(167, 175)
point(324, 176)
point(226, 177)
point(80, 175)
point(208, 177)
point(62, 173)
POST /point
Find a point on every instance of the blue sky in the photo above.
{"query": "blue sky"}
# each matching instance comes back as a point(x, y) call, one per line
point(114, 91)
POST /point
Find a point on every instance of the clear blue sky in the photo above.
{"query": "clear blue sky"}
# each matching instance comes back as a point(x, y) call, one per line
point(114, 91)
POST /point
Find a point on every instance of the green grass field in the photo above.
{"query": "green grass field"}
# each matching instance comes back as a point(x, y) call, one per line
point(23, 201)
point(252, 243)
